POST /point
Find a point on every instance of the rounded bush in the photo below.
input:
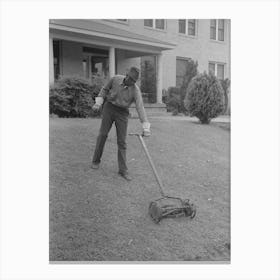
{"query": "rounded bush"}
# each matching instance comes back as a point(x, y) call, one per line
point(72, 97)
point(204, 98)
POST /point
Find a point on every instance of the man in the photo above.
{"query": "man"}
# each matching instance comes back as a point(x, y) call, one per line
point(117, 95)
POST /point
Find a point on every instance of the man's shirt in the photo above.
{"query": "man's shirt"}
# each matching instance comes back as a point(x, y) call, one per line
point(122, 96)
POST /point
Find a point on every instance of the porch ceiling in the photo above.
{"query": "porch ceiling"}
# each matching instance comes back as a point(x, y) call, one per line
point(94, 32)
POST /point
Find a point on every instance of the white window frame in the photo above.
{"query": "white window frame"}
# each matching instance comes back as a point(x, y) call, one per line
point(217, 31)
point(216, 67)
point(154, 25)
point(187, 28)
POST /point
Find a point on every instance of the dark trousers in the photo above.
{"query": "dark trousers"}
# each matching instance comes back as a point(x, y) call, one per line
point(111, 114)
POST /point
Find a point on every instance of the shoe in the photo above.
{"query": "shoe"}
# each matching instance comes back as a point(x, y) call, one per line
point(125, 176)
point(95, 165)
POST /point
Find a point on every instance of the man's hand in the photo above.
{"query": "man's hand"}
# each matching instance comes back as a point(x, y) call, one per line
point(146, 133)
point(96, 107)
point(146, 129)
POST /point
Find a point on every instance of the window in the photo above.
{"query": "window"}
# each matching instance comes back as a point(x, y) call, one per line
point(191, 27)
point(148, 22)
point(221, 29)
point(220, 71)
point(187, 26)
point(217, 69)
point(182, 26)
point(213, 29)
point(160, 23)
point(211, 68)
point(181, 69)
point(155, 23)
point(217, 29)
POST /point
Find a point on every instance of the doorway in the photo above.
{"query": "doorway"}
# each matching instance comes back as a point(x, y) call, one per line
point(95, 64)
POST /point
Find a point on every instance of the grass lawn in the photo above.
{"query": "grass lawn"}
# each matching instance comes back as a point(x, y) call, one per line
point(95, 215)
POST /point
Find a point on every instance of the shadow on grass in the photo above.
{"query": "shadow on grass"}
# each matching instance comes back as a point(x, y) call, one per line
point(225, 126)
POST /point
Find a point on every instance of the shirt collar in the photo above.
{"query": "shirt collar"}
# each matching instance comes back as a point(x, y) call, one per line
point(122, 84)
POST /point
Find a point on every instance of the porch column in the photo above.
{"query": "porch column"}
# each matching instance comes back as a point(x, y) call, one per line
point(159, 78)
point(51, 65)
point(112, 61)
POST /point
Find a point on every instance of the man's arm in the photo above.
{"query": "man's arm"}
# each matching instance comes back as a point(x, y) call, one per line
point(103, 92)
point(142, 113)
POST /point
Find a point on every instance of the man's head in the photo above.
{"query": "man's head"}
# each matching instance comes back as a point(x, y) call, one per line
point(132, 76)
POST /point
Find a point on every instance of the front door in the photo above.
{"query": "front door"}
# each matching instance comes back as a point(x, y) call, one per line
point(95, 64)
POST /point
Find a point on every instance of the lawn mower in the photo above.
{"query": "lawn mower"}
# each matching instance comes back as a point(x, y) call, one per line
point(166, 206)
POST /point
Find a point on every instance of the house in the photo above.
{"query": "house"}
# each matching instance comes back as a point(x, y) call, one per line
point(104, 47)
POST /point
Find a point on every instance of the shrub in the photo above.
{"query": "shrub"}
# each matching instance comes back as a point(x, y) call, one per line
point(173, 99)
point(97, 84)
point(225, 85)
point(73, 97)
point(176, 95)
point(173, 105)
point(175, 112)
point(190, 72)
point(204, 97)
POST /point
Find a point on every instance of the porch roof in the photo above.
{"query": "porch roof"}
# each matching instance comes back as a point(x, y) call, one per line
point(99, 30)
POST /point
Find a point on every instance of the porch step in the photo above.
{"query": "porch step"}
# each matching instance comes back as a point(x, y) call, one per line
point(152, 109)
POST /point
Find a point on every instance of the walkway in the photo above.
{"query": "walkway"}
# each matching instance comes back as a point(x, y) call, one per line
point(222, 119)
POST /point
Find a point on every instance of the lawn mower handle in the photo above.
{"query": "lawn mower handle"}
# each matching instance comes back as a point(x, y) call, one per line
point(150, 161)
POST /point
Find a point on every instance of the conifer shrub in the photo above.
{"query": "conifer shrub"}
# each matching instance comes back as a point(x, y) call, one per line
point(190, 72)
point(176, 95)
point(204, 98)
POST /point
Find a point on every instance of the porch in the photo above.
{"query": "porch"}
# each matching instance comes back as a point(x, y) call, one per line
point(92, 50)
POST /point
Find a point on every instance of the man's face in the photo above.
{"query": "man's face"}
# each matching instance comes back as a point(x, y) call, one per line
point(129, 81)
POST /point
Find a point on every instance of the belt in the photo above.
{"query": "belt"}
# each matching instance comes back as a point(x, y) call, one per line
point(118, 107)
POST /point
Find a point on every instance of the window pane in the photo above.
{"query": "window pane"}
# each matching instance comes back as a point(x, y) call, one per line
point(211, 68)
point(179, 81)
point(220, 71)
point(213, 23)
point(221, 30)
point(213, 33)
point(148, 22)
point(182, 26)
point(221, 23)
point(181, 67)
point(181, 71)
point(213, 29)
point(221, 35)
point(191, 27)
point(160, 23)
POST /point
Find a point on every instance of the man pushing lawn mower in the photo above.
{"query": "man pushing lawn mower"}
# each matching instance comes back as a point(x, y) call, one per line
point(116, 96)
